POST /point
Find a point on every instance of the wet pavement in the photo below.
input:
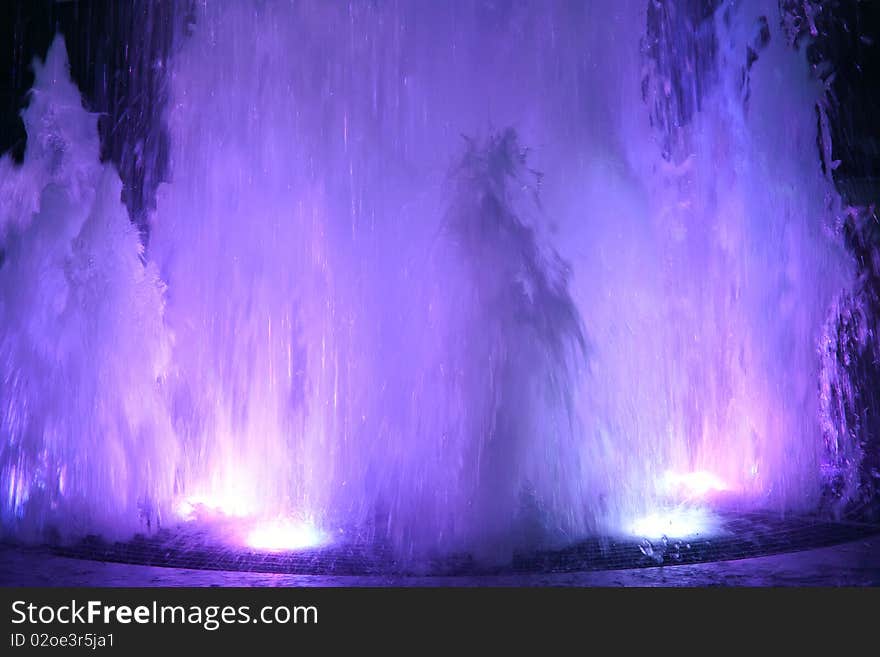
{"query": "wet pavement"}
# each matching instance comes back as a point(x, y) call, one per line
point(856, 563)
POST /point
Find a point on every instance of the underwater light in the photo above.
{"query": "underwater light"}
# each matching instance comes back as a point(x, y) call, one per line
point(284, 534)
point(674, 523)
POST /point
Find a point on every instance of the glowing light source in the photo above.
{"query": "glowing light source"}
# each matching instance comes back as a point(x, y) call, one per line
point(230, 505)
point(232, 518)
point(185, 510)
point(693, 484)
point(675, 523)
point(283, 535)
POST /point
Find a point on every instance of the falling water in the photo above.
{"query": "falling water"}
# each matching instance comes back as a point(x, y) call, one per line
point(460, 275)
point(87, 439)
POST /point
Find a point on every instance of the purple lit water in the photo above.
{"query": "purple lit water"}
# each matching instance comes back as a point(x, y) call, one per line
point(462, 276)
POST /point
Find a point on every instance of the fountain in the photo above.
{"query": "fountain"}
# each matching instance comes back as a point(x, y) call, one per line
point(450, 279)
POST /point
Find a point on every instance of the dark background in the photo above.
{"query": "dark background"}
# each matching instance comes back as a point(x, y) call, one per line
point(118, 53)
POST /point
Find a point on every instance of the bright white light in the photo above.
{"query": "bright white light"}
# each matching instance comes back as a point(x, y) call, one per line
point(277, 535)
point(693, 484)
point(230, 505)
point(283, 535)
point(185, 510)
point(675, 523)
